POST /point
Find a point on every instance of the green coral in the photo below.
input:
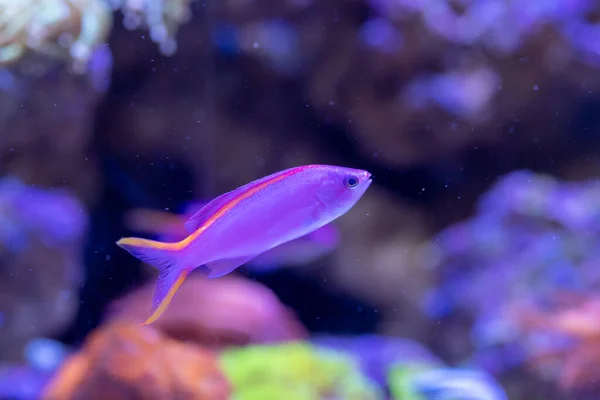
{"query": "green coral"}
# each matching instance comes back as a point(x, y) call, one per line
point(295, 371)
point(73, 29)
point(400, 380)
point(56, 28)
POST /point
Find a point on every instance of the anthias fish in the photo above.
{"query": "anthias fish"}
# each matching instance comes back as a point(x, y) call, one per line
point(299, 252)
point(239, 225)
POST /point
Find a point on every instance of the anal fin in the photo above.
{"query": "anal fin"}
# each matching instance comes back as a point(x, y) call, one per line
point(223, 267)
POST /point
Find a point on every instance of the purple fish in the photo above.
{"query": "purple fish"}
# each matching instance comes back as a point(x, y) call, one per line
point(239, 225)
point(295, 253)
point(298, 252)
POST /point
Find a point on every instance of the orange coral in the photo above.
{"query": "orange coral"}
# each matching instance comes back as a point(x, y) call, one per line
point(123, 361)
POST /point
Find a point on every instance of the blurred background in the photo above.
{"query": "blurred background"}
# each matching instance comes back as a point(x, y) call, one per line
point(469, 269)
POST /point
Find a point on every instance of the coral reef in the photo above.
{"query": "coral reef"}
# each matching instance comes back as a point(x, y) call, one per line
point(296, 371)
point(41, 239)
point(47, 126)
point(561, 342)
point(122, 361)
point(19, 382)
point(71, 30)
point(60, 29)
point(215, 312)
point(415, 80)
point(532, 235)
point(424, 382)
point(47, 111)
point(533, 238)
point(377, 354)
point(162, 18)
point(246, 88)
point(26, 381)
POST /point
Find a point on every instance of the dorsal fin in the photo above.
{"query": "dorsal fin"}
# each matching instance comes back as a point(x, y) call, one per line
point(200, 217)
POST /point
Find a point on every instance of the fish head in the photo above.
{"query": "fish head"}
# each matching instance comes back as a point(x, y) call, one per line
point(340, 188)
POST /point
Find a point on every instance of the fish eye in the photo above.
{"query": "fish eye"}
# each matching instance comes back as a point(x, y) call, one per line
point(351, 182)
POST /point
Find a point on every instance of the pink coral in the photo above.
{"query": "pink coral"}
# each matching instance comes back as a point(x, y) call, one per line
point(575, 319)
point(224, 311)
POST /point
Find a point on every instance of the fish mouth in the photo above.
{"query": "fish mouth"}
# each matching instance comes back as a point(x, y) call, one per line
point(367, 178)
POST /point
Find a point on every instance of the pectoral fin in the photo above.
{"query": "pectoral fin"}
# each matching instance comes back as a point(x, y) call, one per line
point(225, 266)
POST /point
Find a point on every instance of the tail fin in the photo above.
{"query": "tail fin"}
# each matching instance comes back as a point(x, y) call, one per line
point(166, 258)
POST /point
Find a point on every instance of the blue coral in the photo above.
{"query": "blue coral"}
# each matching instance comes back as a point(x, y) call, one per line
point(532, 235)
point(426, 382)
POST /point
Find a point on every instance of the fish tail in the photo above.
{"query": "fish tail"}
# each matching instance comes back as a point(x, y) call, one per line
point(167, 258)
